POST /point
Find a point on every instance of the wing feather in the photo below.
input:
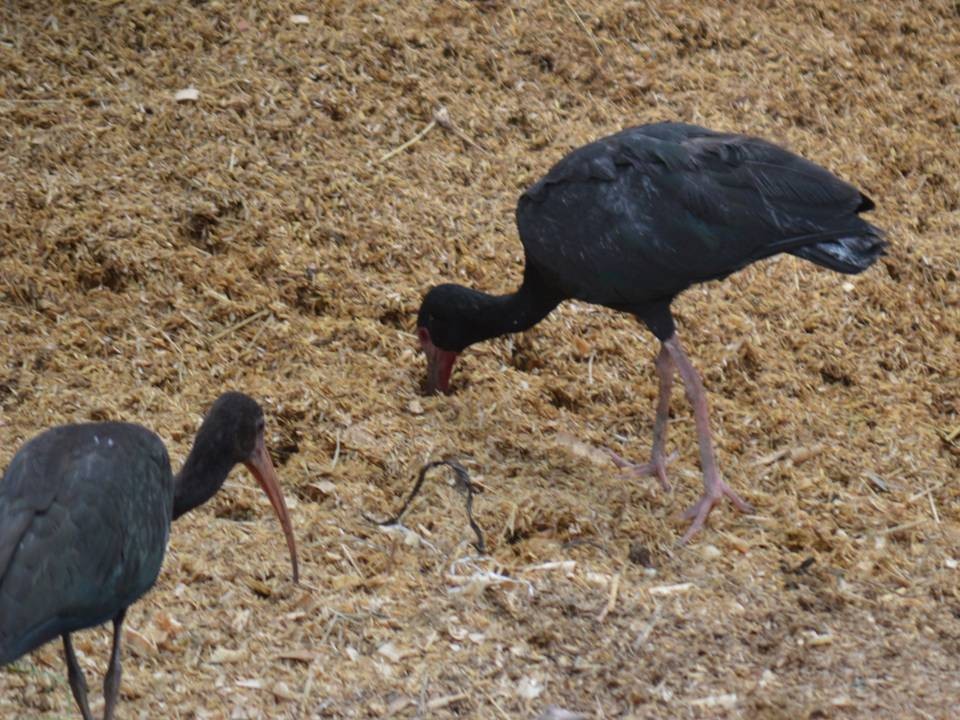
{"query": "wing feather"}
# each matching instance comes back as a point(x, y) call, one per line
point(84, 516)
point(683, 204)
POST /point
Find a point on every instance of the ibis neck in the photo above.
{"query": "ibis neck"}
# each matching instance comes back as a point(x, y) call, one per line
point(490, 316)
point(201, 476)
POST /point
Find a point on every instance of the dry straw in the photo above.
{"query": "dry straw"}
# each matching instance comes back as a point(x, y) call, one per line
point(275, 233)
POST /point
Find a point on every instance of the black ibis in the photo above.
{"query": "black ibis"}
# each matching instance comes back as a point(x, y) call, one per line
point(632, 220)
point(85, 514)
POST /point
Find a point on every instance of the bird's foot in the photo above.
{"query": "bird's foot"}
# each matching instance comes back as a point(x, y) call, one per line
point(656, 467)
point(699, 511)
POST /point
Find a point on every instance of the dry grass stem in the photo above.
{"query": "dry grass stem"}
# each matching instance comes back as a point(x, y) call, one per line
point(411, 142)
point(583, 26)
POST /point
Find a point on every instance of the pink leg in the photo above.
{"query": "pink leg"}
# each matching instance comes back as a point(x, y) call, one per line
point(658, 461)
point(714, 488)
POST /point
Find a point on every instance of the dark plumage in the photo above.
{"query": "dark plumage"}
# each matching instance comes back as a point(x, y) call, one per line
point(632, 220)
point(85, 514)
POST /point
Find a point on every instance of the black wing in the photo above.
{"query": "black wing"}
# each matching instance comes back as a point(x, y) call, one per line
point(639, 216)
point(85, 512)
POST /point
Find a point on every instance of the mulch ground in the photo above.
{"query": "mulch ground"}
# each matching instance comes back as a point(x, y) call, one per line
point(159, 245)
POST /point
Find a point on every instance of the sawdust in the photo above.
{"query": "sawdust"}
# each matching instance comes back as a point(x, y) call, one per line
point(205, 195)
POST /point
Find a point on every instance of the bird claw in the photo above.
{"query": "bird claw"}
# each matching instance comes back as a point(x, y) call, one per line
point(699, 511)
point(656, 467)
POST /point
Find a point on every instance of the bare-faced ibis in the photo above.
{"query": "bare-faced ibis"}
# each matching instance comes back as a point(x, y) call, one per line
point(85, 513)
point(632, 220)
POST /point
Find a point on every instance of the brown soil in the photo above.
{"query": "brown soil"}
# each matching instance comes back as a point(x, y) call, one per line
point(154, 252)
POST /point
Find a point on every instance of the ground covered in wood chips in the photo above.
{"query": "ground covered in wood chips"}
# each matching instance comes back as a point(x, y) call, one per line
point(258, 234)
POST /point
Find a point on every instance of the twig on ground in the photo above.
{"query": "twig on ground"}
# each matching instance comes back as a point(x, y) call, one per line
point(236, 326)
point(583, 25)
point(463, 484)
point(441, 117)
point(412, 141)
point(644, 634)
point(612, 598)
point(336, 453)
point(900, 528)
point(496, 706)
point(308, 687)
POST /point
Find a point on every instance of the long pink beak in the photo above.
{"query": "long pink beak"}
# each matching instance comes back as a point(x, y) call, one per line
point(439, 367)
point(259, 464)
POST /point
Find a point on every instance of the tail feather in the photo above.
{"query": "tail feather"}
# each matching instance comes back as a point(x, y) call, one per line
point(850, 254)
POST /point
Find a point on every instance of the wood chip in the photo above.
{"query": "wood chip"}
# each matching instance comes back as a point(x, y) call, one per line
point(557, 713)
point(190, 94)
point(529, 688)
point(711, 552)
point(797, 455)
point(259, 587)
point(138, 643)
point(282, 691)
point(393, 653)
point(222, 656)
point(446, 701)
point(671, 589)
point(302, 656)
point(583, 450)
point(726, 701)
point(611, 598)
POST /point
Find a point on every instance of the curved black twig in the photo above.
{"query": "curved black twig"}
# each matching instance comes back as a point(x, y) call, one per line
point(463, 484)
